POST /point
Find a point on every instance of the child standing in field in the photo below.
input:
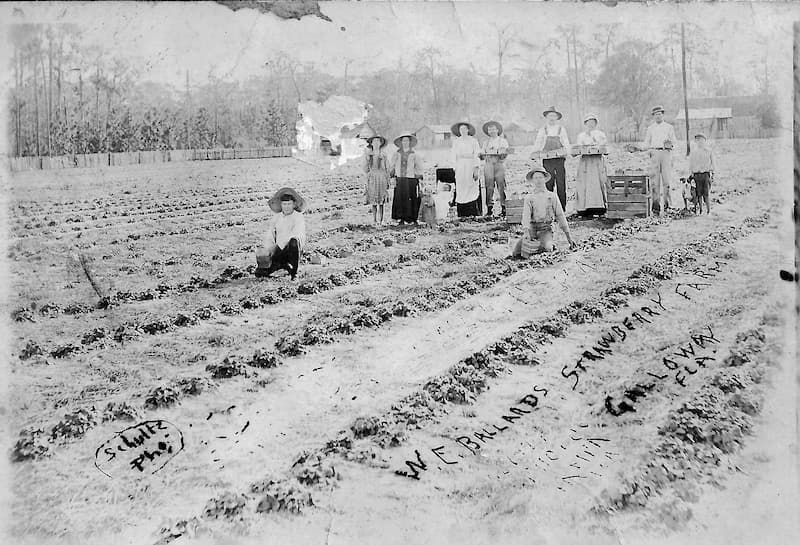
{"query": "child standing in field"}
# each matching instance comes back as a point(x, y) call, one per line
point(377, 183)
point(701, 164)
point(539, 209)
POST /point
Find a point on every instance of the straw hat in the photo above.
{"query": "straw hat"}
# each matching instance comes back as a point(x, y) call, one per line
point(552, 109)
point(700, 135)
point(537, 168)
point(410, 136)
point(496, 124)
point(275, 201)
point(470, 128)
point(587, 117)
point(381, 138)
point(657, 109)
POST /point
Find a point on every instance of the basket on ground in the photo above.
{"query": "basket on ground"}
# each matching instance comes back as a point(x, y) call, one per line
point(529, 247)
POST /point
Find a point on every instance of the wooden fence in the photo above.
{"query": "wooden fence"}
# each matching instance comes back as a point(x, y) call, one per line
point(94, 160)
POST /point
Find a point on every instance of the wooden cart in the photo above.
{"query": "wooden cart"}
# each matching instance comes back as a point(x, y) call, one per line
point(629, 195)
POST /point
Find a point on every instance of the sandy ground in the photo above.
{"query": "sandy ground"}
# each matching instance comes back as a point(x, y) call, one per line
point(511, 491)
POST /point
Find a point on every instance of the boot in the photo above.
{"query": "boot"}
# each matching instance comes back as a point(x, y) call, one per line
point(264, 273)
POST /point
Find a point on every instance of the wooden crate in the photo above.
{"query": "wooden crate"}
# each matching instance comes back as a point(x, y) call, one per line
point(630, 172)
point(552, 154)
point(593, 149)
point(514, 211)
point(629, 196)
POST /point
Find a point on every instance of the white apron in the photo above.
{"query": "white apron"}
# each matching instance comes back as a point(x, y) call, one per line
point(465, 159)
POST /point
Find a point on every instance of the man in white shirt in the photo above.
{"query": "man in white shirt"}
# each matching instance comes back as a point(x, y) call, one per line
point(553, 136)
point(494, 170)
point(285, 237)
point(660, 139)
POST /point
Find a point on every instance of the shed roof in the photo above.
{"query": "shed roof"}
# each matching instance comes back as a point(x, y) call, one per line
point(741, 105)
point(705, 113)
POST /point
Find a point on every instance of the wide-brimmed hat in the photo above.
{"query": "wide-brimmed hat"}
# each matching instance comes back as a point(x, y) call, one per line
point(587, 117)
point(552, 109)
point(657, 109)
point(275, 201)
point(470, 128)
point(700, 135)
point(537, 168)
point(496, 124)
point(381, 138)
point(399, 138)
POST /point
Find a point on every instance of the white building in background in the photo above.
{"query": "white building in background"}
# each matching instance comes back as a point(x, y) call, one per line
point(336, 127)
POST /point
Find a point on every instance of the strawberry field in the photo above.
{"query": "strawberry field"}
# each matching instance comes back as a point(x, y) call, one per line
point(412, 385)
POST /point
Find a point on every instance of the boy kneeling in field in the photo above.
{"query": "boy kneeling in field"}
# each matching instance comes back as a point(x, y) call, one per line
point(539, 209)
point(286, 235)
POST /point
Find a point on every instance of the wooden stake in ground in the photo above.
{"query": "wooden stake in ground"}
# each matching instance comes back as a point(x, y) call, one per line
point(84, 261)
point(307, 162)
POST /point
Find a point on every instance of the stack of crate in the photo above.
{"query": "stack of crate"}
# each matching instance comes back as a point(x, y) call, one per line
point(629, 195)
point(514, 211)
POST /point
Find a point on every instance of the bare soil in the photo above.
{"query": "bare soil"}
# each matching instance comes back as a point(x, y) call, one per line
point(353, 356)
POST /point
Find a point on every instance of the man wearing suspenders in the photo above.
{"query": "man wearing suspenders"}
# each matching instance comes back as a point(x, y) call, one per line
point(551, 137)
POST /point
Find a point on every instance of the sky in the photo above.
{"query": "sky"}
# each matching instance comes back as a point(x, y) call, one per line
point(165, 39)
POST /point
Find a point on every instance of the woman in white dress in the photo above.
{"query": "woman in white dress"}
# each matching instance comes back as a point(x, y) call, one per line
point(591, 180)
point(467, 164)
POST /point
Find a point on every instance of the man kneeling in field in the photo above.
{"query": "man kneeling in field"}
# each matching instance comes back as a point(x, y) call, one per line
point(286, 235)
point(539, 209)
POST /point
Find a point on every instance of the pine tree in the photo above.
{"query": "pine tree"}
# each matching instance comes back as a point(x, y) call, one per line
point(275, 131)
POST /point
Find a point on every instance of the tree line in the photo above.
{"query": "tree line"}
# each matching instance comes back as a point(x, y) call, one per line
point(69, 97)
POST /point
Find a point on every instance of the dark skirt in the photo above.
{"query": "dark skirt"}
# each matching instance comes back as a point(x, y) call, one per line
point(405, 205)
point(469, 209)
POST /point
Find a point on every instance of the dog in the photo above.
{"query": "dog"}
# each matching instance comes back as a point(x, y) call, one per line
point(689, 190)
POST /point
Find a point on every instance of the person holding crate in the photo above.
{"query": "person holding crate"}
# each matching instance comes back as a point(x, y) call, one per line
point(591, 179)
point(660, 139)
point(539, 209)
point(551, 137)
point(494, 171)
point(467, 163)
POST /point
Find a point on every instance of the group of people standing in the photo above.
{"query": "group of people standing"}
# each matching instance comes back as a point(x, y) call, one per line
point(547, 202)
point(467, 153)
point(469, 157)
point(590, 179)
point(406, 168)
